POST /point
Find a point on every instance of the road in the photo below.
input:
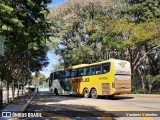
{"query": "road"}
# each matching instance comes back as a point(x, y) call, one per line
point(76, 107)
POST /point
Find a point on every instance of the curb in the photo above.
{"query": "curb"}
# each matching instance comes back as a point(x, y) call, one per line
point(144, 95)
point(22, 109)
point(26, 105)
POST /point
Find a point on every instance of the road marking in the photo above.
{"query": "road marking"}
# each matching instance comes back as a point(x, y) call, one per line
point(21, 110)
point(15, 118)
point(52, 115)
point(102, 106)
point(148, 118)
point(104, 116)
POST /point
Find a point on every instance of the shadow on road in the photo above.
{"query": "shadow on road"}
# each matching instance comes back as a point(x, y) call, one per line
point(73, 97)
point(120, 98)
point(50, 97)
point(51, 106)
point(68, 112)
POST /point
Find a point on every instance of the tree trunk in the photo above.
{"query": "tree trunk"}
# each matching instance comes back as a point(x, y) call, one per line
point(150, 88)
point(13, 91)
point(7, 88)
point(22, 89)
point(142, 79)
point(18, 90)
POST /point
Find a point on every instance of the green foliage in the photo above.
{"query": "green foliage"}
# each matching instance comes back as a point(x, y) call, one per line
point(140, 11)
point(152, 79)
point(80, 26)
point(92, 31)
point(139, 91)
point(24, 26)
point(57, 67)
point(38, 78)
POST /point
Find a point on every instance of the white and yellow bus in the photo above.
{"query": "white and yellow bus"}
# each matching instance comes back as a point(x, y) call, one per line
point(106, 78)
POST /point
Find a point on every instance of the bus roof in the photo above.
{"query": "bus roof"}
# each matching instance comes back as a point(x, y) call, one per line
point(85, 65)
point(81, 65)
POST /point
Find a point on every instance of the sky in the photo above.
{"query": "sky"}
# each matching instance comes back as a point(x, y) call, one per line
point(55, 2)
point(53, 59)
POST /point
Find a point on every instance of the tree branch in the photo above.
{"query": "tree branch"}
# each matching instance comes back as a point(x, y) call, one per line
point(140, 60)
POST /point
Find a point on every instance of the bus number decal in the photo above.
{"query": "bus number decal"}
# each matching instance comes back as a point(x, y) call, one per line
point(103, 78)
point(80, 80)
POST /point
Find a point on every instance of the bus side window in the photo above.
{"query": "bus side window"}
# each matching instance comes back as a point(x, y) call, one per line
point(51, 76)
point(92, 70)
point(87, 71)
point(74, 73)
point(81, 72)
point(61, 74)
point(67, 73)
point(56, 75)
point(51, 79)
point(98, 69)
point(106, 67)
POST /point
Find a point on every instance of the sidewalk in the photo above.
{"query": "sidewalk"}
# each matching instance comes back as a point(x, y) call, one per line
point(18, 105)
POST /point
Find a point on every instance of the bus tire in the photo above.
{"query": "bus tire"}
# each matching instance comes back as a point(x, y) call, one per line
point(56, 91)
point(94, 93)
point(86, 93)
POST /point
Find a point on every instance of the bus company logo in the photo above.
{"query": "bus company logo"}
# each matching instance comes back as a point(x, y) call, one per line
point(6, 114)
point(122, 64)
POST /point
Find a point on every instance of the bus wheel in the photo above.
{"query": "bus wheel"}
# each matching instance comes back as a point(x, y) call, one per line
point(86, 93)
point(94, 93)
point(56, 91)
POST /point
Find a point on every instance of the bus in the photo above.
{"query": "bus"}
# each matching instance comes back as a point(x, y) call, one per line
point(106, 78)
point(55, 85)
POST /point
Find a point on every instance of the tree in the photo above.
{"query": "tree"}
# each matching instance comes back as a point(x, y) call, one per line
point(152, 81)
point(57, 67)
point(79, 29)
point(143, 36)
point(92, 31)
point(38, 78)
point(24, 26)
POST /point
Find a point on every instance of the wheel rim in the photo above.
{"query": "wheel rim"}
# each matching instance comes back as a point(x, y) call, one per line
point(85, 93)
point(94, 93)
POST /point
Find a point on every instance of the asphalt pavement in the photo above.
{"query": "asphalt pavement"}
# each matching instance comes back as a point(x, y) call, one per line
point(21, 104)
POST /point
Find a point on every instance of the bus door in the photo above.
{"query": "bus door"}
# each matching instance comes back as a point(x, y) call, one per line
point(64, 81)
